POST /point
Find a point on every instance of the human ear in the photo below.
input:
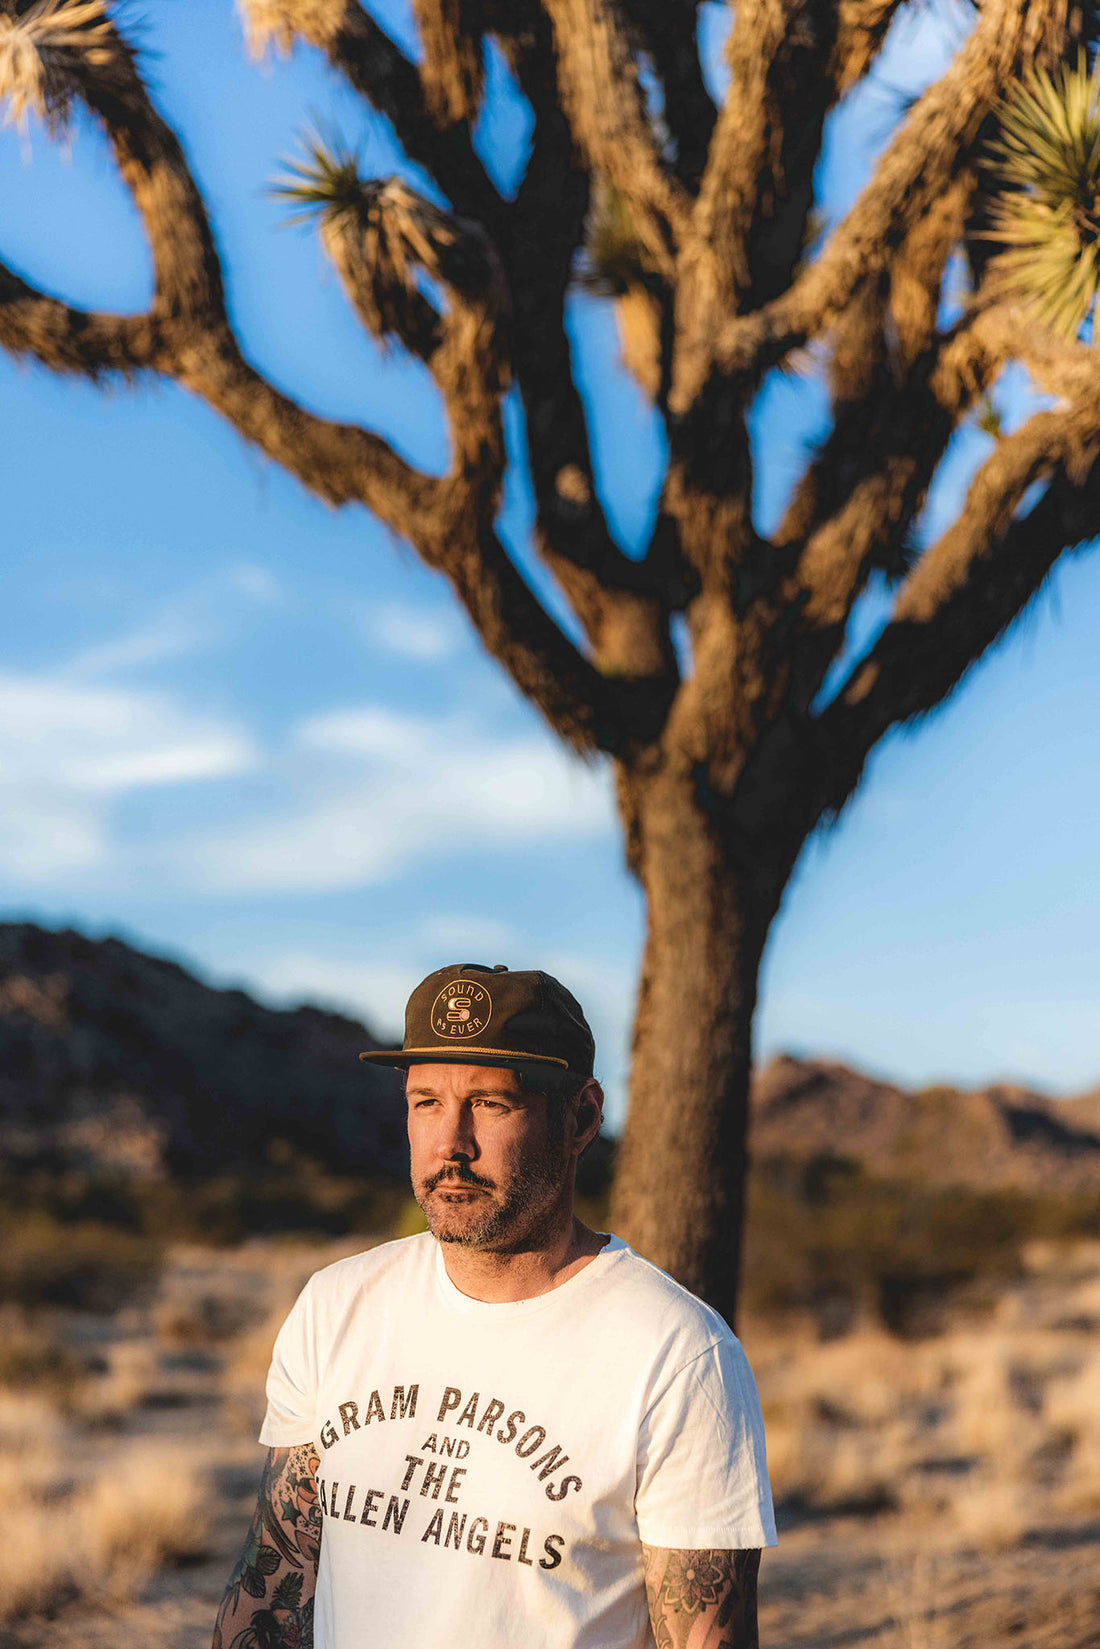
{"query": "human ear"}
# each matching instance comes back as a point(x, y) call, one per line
point(589, 1112)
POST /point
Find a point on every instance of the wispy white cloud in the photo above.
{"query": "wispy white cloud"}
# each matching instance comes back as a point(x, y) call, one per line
point(385, 791)
point(179, 755)
point(467, 934)
point(198, 617)
point(68, 751)
point(168, 636)
point(375, 992)
point(255, 582)
point(45, 834)
point(411, 633)
point(370, 730)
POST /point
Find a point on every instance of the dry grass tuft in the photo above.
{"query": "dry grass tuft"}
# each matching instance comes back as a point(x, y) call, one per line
point(976, 1434)
point(992, 1513)
point(1073, 1410)
point(33, 1360)
point(152, 1513)
point(104, 1540)
point(912, 1593)
point(105, 1400)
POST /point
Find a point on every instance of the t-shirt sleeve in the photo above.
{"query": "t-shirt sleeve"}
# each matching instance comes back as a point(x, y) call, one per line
point(292, 1379)
point(702, 1472)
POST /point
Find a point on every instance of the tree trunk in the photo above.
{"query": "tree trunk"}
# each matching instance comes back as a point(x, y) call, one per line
point(679, 1187)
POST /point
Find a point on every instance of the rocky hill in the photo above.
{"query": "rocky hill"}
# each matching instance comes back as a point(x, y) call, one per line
point(997, 1136)
point(113, 1059)
point(1084, 1111)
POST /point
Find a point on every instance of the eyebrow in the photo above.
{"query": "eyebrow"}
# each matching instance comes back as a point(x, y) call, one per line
point(474, 1093)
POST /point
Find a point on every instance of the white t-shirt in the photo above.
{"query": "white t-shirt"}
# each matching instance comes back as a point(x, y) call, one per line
point(489, 1471)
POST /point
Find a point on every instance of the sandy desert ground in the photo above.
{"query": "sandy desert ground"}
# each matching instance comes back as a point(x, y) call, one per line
point(935, 1494)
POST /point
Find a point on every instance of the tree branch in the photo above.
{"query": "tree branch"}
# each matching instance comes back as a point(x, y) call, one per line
point(617, 600)
point(788, 65)
point(875, 378)
point(71, 340)
point(187, 273)
point(369, 60)
point(1002, 332)
point(917, 166)
point(748, 227)
point(606, 110)
point(193, 339)
point(611, 594)
point(343, 464)
point(378, 234)
point(852, 508)
point(668, 32)
point(765, 144)
point(966, 589)
point(861, 30)
point(340, 463)
point(450, 34)
point(586, 709)
point(187, 337)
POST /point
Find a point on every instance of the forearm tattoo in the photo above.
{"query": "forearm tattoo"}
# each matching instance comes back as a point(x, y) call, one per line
point(702, 1600)
point(268, 1603)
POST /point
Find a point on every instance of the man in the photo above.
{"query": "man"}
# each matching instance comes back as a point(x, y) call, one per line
point(510, 1432)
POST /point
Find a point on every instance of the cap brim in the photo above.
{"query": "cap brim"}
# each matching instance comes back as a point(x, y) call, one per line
point(402, 1058)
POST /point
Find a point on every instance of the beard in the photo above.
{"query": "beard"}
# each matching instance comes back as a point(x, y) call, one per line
point(511, 1217)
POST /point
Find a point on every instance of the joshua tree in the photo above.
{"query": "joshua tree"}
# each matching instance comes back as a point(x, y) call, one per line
point(694, 218)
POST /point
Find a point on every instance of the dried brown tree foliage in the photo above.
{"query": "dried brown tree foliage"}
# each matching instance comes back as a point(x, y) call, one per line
point(726, 763)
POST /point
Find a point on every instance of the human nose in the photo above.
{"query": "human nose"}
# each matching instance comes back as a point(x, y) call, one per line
point(457, 1139)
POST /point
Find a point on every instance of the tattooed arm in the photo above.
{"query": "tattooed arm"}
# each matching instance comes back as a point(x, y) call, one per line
point(268, 1603)
point(701, 1600)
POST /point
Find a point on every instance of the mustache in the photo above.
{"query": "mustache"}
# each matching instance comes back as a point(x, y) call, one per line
point(458, 1174)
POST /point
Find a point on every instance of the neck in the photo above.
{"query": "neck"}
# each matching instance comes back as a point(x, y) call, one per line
point(497, 1276)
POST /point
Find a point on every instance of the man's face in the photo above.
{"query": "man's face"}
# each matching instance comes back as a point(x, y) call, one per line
point(489, 1169)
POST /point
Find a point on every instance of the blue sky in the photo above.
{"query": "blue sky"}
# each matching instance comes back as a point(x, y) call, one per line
point(252, 732)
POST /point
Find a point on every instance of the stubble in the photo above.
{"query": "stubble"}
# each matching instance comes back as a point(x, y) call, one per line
point(496, 1219)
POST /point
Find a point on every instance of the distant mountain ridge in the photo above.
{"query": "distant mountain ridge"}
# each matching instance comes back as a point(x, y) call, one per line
point(1002, 1135)
point(114, 1059)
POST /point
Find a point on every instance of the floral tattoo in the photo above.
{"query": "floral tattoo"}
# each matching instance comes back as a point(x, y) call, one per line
point(281, 1551)
point(702, 1599)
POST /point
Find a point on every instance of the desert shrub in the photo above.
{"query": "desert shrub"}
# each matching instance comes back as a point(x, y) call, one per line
point(287, 1194)
point(31, 1359)
point(83, 1265)
point(825, 1238)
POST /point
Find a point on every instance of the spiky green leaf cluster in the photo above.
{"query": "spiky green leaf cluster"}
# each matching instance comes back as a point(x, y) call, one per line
point(613, 260)
point(387, 243)
point(324, 178)
point(1046, 157)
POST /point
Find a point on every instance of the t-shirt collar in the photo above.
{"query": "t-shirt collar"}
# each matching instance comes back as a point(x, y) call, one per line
point(499, 1311)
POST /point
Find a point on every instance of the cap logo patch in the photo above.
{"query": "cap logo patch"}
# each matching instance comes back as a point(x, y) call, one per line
point(461, 1010)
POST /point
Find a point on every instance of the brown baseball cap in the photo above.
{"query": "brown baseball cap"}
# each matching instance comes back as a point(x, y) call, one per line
point(471, 1014)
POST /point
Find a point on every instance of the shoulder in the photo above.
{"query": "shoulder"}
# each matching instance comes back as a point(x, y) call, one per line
point(698, 1382)
point(675, 1321)
point(390, 1264)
